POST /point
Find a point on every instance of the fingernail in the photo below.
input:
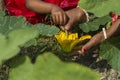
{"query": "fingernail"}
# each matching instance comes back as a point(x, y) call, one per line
point(84, 49)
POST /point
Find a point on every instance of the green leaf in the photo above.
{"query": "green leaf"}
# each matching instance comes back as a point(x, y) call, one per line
point(32, 42)
point(10, 44)
point(2, 14)
point(101, 7)
point(47, 30)
point(110, 50)
point(94, 25)
point(9, 23)
point(49, 67)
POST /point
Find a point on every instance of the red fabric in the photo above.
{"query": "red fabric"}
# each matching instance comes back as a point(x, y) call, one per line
point(18, 8)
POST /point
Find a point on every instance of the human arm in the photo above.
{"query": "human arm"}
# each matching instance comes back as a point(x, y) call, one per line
point(76, 15)
point(114, 30)
point(2, 6)
point(39, 6)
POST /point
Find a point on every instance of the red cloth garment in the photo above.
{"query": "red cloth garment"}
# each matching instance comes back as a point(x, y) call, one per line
point(64, 4)
point(18, 8)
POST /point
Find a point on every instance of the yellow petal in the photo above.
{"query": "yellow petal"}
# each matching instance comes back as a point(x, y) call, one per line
point(69, 41)
point(85, 37)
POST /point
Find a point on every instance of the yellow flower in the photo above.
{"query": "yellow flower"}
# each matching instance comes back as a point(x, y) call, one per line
point(69, 41)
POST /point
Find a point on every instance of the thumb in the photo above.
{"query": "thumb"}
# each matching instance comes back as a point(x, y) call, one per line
point(69, 25)
point(62, 28)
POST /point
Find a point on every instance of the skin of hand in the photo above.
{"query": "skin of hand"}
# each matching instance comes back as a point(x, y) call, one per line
point(58, 15)
point(114, 30)
point(39, 6)
point(75, 15)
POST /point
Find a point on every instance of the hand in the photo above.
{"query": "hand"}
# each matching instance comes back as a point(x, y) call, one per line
point(58, 15)
point(94, 41)
point(79, 50)
point(75, 15)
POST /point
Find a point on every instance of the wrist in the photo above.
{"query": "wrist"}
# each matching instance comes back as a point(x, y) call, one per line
point(53, 7)
point(84, 14)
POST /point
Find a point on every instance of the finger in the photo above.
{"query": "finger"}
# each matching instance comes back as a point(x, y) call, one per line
point(80, 52)
point(61, 18)
point(75, 53)
point(69, 25)
point(54, 18)
point(62, 28)
point(77, 48)
point(83, 50)
point(65, 19)
point(57, 19)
